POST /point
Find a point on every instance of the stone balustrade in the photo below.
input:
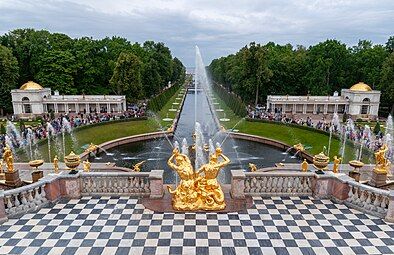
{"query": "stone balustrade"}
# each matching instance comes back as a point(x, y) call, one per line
point(23, 199)
point(55, 186)
point(135, 184)
point(273, 183)
point(368, 199)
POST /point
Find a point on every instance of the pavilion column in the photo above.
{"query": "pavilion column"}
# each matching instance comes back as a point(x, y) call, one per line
point(87, 108)
point(108, 107)
point(119, 108)
point(304, 108)
point(76, 108)
point(314, 109)
point(124, 105)
point(284, 108)
point(56, 108)
point(336, 108)
point(272, 107)
point(97, 107)
point(325, 108)
point(66, 109)
point(294, 108)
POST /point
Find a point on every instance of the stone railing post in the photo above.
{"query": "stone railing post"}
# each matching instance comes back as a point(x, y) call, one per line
point(340, 188)
point(70, 185)
point(3, 214)
point(156, 183)
point(390, 211)
point(237, 184)
point(52, 188)
point(321, 187)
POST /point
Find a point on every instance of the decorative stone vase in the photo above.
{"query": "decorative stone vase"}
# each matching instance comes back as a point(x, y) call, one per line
point(36, 163)
point(320, 161)
point(72, 161)
point(355, 174)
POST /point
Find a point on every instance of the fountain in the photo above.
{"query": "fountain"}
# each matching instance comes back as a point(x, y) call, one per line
point(198, 117)
point(335, 125)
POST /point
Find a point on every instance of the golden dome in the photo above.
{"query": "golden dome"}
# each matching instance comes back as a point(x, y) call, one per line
point(361, 86)
point(30, 85)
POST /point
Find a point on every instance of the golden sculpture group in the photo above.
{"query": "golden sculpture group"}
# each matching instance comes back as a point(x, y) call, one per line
point(382, 163)
point(196, 191)
point(8, 159)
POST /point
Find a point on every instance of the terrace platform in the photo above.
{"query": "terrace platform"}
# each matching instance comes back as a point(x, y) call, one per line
point(121, 225)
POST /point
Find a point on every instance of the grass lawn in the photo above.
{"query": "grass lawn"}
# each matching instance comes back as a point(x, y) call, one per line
point(287, 134)
point(165, 111)
point(95, 134)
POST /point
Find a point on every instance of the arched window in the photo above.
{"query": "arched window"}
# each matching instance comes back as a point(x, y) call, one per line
point(26, 105)
point(365, 106)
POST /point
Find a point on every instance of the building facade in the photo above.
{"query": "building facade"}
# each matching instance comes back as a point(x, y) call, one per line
point(360, 101)
point(31, 99)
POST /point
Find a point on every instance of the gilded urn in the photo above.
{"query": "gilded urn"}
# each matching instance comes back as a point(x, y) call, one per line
point(72, 161)
point(36, 163)
point(320, 161)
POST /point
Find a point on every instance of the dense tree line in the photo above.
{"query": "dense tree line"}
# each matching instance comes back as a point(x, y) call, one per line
point(256, 71)
point(85, 65)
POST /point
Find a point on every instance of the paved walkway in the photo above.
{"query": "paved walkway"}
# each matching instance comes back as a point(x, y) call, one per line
point(119, 225)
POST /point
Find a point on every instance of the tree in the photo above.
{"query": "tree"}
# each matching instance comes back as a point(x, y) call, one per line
point(367, 62)
point(390, 44)
point(57, 71)
point(327, 67)
point(8, 78)
point(376, 129)
point(387, 82)
point(127, 76)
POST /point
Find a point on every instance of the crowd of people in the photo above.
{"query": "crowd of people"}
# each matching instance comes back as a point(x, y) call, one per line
point(357, 133)
point(51, 125)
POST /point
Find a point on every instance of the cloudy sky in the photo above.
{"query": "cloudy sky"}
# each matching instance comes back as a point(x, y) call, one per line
point(218, 27)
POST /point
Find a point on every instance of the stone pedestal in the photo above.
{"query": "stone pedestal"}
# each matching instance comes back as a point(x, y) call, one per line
point(237, 184)
point(36, 175)
point(12, 179)
point(390, 210)
point(378, 178)
point(156, 183)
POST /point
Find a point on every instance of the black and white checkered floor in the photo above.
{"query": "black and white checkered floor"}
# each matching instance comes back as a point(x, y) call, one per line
point(119, 225)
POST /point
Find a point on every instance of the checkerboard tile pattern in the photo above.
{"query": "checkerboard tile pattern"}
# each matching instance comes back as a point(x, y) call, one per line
point(119, 225)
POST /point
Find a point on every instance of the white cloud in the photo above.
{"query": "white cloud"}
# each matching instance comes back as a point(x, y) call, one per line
point(219, 27)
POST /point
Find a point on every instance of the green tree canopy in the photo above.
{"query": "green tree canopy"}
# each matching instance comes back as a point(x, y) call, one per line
point(127, 76)
point(8, 77)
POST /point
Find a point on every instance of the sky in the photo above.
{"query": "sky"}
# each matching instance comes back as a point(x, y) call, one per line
point(218, 27)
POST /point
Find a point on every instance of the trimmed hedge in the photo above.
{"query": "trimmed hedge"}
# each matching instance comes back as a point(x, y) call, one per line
point(231, 100)
point(156, 103)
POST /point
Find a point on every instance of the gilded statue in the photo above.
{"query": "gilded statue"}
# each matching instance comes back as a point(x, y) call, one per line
point(382, 163)
point(56, 164)
point(137, 167)
point(304, 166)
point(337, 161)
point(252, 167)
point(184, 197)
point(8, 159)
point(86, 166)
point(196, 191)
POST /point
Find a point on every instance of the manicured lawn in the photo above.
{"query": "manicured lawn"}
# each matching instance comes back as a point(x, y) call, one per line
point(165, 111)
point(287, 134)
point(95, 134)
